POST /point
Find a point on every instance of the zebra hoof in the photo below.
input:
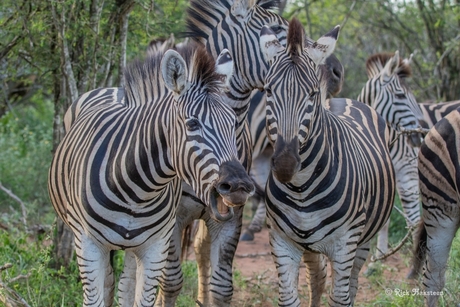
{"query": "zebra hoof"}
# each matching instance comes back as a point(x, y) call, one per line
point(247, 236)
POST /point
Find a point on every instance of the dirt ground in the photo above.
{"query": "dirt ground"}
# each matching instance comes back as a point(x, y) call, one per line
point(254, 261)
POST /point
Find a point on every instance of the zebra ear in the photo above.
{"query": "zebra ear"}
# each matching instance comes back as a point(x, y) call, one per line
point(224, 66)
point(269, 44)
point(240, 8)
point(174, 71)
point(324, 46)
point(391, 67)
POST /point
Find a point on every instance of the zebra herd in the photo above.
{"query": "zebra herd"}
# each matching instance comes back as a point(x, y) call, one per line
point(177, 142)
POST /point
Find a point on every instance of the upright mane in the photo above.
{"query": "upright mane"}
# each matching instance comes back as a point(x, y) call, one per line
point(143, 81)
point(295, 39)
point(376, 62)
point(204, 15)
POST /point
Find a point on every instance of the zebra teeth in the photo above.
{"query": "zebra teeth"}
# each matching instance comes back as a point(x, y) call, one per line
point(222, 206)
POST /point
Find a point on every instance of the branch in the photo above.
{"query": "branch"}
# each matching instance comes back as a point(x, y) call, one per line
point(402, 131)
point(8, 296)
point(23, 206)
point(395, 249)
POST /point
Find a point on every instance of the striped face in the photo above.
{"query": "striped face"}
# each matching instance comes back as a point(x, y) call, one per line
point(388, 94)
point(203, 139)
point(294, 93)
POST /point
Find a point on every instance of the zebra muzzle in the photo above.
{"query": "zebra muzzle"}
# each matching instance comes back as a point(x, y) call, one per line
point(219, 210)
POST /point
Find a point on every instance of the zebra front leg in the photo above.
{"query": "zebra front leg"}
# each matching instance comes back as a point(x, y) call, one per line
point(316, 271)
point(127, 283)
point(439, 241)
point(224, 241)
point(382, 240)
point(286, 256)
point(342, 257)
point(93, 262)
point(172, 278)
point(361, 256)
point(202, 247)
point(151, 259)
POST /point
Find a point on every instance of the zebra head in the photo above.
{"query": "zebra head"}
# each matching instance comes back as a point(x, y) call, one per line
point(387, 92)
point(203, 141)
point(294, 93)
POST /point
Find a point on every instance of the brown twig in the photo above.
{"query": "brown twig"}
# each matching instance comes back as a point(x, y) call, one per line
point(395, 249)
point(16, 198)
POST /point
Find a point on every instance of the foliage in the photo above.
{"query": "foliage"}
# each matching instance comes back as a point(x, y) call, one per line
point(427, 29)
point(25, 155)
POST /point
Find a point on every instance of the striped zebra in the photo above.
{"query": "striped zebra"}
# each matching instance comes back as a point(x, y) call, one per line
point(388, 93)
point(439, 174)
point(333, 72)
point(331, 185)
point(115, 178)
point(434, 112)
point(234, 25)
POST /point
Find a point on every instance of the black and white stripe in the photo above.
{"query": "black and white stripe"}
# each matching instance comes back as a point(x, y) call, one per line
point(331, 187)
point(388, 93)
point(439, 174)
point(115, 178)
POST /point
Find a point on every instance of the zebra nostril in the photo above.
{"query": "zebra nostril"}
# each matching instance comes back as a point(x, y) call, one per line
point(224, 188)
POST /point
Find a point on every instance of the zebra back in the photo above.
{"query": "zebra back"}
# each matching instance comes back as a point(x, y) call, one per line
point(433, 112)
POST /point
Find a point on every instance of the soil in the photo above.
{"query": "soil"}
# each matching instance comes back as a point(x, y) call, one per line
point(253, 260)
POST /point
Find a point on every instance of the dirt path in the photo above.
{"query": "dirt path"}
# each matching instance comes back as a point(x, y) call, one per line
point(254, 261)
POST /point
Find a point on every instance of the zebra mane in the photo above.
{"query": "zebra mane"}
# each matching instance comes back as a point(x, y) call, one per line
point(204, 15)
point(376, 62)
point(295, 39)
point(143, 80)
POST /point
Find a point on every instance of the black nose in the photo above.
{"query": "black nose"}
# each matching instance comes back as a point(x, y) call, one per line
point(234, 178)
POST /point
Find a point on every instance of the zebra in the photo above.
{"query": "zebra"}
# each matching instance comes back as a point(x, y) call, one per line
point(331, 185)
point(234, 25)
point(388, 93)
point(115, 178)
point(333, 72)
point(439, 175)
point(433, 112)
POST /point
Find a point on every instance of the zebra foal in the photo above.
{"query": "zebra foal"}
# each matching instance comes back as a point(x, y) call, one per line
point(331, 185)
point(439, 175)
point(115, 178)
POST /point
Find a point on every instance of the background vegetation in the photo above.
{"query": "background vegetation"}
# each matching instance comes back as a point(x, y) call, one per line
point(53, 51)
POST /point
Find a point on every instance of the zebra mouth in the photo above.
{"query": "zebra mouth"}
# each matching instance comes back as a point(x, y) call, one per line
point(221, 210)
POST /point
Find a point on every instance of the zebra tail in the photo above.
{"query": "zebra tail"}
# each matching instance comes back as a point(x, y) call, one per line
point(419, 252)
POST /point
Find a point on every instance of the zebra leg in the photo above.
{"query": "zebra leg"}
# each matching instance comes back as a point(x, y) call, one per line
point(406, 175)
point(151, 259)
point(202, 247)
point(382, 240)
point(224, 241)
point(109, 286)
point(440, 233)
point(93, 262)
point(257, 221)
point(342, 259)
point(361, 255)
point(126, 285)
point(316, 265)
point(286, 256)
point(260, 170)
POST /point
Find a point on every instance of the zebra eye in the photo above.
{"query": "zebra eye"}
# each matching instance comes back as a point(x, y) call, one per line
point(192, 124)
point(268, 92)
point(400, 96)
point(277, 29)
point(313, 94)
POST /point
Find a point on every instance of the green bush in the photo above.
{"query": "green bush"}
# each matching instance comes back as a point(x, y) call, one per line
point(25, 156)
